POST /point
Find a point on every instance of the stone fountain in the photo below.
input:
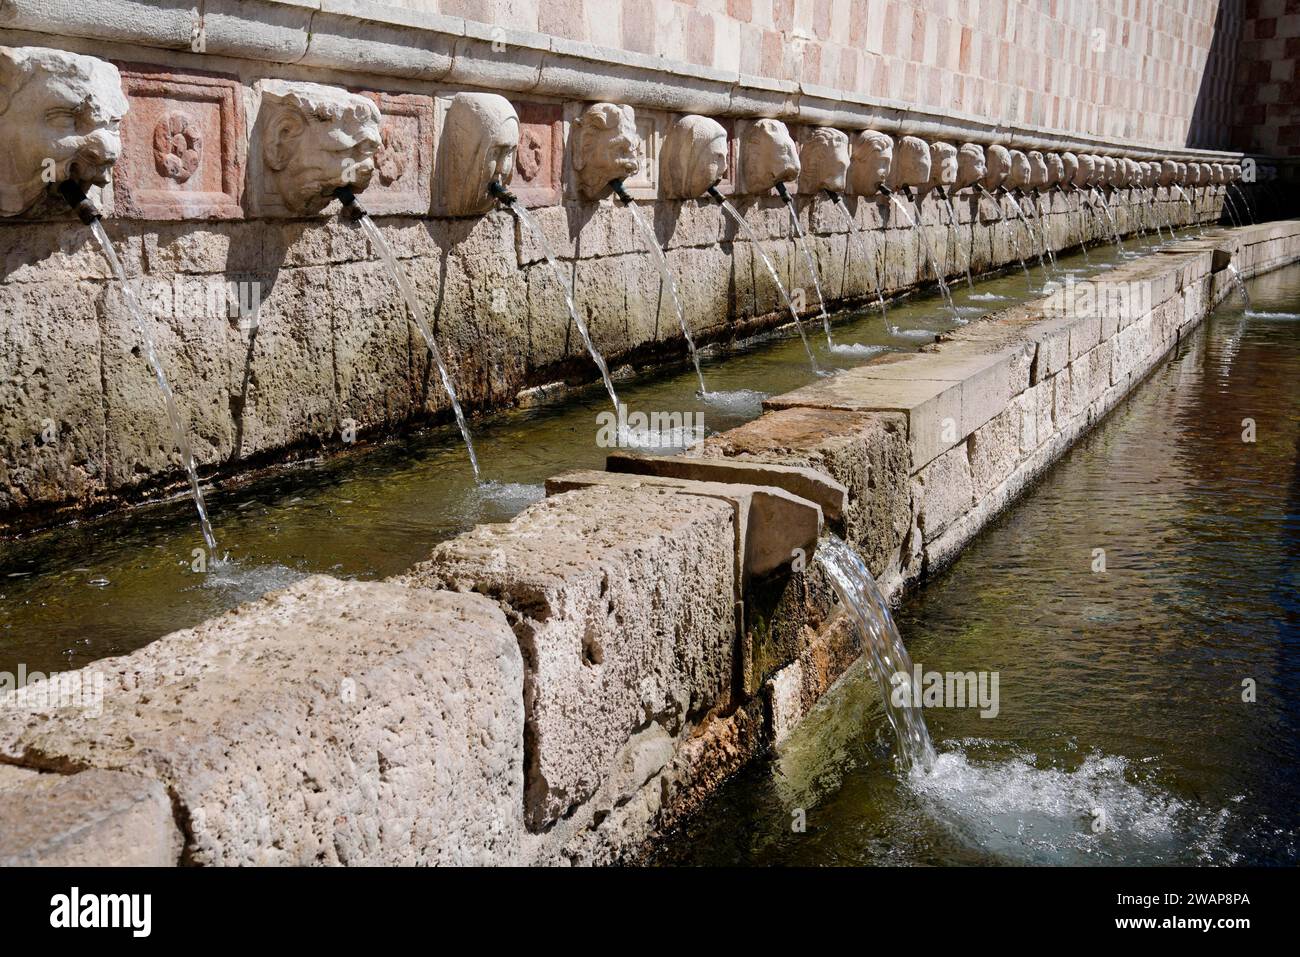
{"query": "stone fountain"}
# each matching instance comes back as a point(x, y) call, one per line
point(693, 159)
point(873, 157)
point(60, 115)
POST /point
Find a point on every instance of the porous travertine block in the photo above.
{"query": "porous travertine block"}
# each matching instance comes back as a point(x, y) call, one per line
point(331, 723)
point(92, 818)
point(623, 602)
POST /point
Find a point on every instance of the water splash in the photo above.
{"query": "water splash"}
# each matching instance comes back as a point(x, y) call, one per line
point(913, 222)
point(771, 270)
point(1231, 207)
point(657, 254)
point(416, 311)
point(528, 223)
point(802, 242)
point(887, 656)
point(179, 434)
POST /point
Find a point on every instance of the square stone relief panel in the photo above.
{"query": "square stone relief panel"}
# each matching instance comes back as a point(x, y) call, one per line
point(540, 157)
point(183, 146)
point(404, 163)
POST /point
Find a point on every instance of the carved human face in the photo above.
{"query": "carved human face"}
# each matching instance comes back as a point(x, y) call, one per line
point(943, 165)
point(315, 140)
point(1084, 171)
point(59, 119)
point(605, 147)
point(824, 161)
point(971, 166)
point(1037, 169)
point(998, 160)
point(1019, 173)
point(1168, 172)
point(768, 156)
point(911, 163)
point(873, 155)
point(1055, 168)
point(693, 157)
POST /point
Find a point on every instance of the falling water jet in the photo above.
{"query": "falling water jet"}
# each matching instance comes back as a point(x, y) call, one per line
point(1239, 285)
point(1245, 202)
point(652, 245)
point(914, 223)
point(415, 310)
point(1015, 195)
point(1231, 207)
point(887, 657)
point(86, 211)
point(952, 227)
point(771, 270)
point(1105, 209)
point(997, 204)
point(1042, 229)
point(802, 243)
point(1191, 210)
point(511, 202)
point(875, 269)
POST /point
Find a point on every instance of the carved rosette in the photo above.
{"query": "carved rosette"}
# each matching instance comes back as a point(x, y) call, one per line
point(177, 146)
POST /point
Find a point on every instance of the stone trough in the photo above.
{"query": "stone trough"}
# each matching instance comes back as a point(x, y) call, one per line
point(561, 687)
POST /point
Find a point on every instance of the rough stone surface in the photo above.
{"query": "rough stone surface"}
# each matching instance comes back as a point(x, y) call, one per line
point(623, 603)
point(90, 819)
point(330, 723)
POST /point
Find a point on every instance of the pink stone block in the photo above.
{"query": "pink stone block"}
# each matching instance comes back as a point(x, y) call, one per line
point(402, 183)
point(183, 147)
point(540, 158)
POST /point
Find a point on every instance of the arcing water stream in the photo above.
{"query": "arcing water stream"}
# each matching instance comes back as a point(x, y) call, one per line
point(416, 311)
point(180, 435)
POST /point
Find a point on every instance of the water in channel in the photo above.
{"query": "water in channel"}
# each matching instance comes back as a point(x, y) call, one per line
point(1123, 732)
point(108, 585)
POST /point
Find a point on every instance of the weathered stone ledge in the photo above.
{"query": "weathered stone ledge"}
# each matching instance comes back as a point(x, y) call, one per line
point(561, 687)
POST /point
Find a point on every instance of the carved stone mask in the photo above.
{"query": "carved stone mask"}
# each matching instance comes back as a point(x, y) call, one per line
point(767, 156)
point(911, 165)
point(59, 119)
point(824, 161)
point(1037, 169)
point(971, 167)
point(1019, 174)
point(1110, 171)
point(479, 139)
point(998, 161)
point(1168, 172)
point(604, 144)
point(1069, 169)
point(315, 139)
point(1055, 169)
point(943, 165)
point(873, 155)
point(693, 157)
point(1085, 170)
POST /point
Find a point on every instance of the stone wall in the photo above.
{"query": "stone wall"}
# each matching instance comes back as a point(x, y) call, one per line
point(193, 206)
point(332, 347)
point(1115, 69)
point(559, 688)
